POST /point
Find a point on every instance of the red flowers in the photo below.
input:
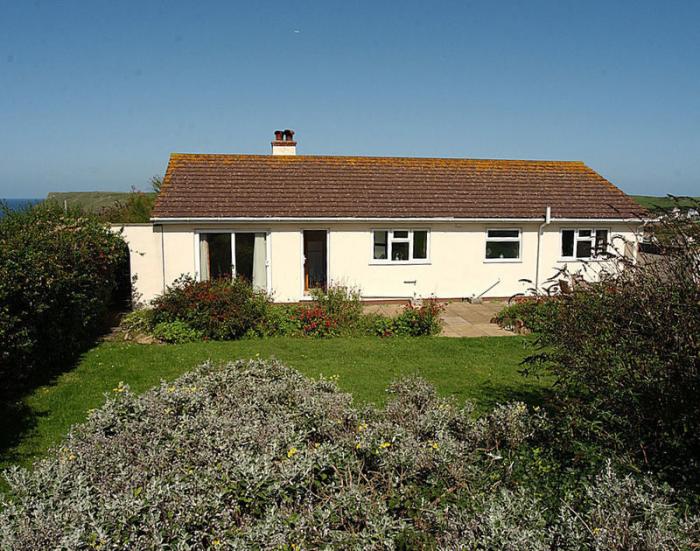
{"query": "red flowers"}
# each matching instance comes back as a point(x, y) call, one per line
point(316, 322)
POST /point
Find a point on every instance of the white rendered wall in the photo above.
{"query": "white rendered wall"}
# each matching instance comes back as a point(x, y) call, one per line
point(456, 267)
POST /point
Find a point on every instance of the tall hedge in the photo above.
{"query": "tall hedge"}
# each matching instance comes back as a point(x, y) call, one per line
point(57, 273)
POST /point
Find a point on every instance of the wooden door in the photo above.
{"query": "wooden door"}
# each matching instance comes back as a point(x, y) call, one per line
point(315, 259)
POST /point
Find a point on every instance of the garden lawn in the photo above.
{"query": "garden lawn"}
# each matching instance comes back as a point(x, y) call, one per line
point(485, 370)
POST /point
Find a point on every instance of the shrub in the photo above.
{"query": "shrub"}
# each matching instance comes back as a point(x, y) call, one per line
point(57, 274)
point(137, 322)
point(176, 332)
point(416, 321)
point(529, 313)
point(221, 309)
point(626, 356)
point(280, 320)
point(136, 209)
point(253, 455)
point(340, 303)
point(376, 325)
point(316, 322)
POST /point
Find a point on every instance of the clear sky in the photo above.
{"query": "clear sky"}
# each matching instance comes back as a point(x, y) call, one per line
point(94, 95)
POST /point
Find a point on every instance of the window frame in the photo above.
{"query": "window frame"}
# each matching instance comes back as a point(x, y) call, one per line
point(594, 233)
point(519, 240)
point(268, 250)
point(389, 246)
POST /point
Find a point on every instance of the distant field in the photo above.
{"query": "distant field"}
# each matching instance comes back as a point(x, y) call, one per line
point(91, 201)
point(652, 202)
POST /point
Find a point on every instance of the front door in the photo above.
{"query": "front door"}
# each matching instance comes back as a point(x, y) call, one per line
point(315, 259)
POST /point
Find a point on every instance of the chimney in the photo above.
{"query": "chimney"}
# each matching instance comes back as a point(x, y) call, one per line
point(284, 143)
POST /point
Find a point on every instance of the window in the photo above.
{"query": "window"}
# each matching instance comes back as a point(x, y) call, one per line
point(503, 245)
point(584, 243)
point(400, 246)
point(228, 254)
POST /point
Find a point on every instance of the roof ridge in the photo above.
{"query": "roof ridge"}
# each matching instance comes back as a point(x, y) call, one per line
point(373, 157)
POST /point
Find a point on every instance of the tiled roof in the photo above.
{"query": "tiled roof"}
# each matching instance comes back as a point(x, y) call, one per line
point(231, 186)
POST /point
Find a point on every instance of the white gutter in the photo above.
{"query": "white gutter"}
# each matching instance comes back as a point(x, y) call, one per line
point(547, 221)
point(282, 219)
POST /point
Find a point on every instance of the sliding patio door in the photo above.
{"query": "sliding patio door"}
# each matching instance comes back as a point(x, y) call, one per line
point(234, 254)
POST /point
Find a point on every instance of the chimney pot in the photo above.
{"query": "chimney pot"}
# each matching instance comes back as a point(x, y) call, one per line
point(278, 135)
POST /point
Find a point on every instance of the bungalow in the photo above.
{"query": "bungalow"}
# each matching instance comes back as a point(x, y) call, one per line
point(393, 227)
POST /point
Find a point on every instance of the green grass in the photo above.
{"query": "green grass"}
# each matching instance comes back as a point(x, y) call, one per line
point(484, 370)
point(652, 203)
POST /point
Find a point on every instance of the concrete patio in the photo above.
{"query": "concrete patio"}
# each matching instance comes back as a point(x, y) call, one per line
point(461, 319)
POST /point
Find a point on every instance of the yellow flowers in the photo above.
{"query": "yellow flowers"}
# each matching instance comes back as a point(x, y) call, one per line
point(358, 445)
point(385, 445)
point(434, 445)
point(72, 457)
point(291, 452)
point(361, 427)
point(192, 388)
point(216, 542)
point(119, 388)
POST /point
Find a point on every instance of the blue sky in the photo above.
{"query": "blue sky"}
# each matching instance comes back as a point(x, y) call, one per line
point(95, 95)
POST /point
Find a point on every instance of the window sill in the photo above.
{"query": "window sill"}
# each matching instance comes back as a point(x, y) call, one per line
point(503, 261)
point(584, 259)
point(399, 262)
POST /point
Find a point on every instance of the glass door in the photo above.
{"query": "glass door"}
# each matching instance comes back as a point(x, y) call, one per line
point(234, 254)
point(315, 260)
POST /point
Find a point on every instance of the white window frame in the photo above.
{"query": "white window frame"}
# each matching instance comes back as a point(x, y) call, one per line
point(391, 239)
point(594, 231)
point(519, 240)
point(268, 250)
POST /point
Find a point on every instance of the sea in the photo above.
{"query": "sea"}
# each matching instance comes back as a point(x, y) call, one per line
point(19, 204)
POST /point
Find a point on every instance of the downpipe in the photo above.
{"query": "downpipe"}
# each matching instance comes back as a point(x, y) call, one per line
point(547, 221)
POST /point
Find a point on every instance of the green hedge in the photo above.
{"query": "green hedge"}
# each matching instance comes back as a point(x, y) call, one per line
point(57, 275)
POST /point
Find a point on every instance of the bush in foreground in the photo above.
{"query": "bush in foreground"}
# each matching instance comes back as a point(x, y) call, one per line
point(625, 353)
point(253, 455)
point(57, 274)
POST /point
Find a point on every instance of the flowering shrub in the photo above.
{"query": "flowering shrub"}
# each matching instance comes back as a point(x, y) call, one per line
point(221, 309)
point(253, 455)
point(58, 273)
point(316, 322)
point(416, 321)
point(281, 320)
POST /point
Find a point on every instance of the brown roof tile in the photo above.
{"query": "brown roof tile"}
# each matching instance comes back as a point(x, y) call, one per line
point(230, 186)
